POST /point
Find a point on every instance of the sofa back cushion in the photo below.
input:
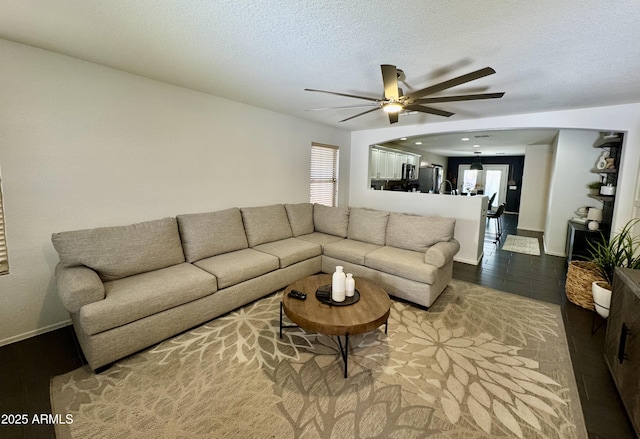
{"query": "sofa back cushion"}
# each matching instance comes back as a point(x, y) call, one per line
point(368, 225)
point(213, 233)
point(300, 218)
point(418, 233)
point(331, 220)
point(117, 252)
point(266, 224)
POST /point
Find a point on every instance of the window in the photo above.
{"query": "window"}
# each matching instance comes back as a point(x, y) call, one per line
point(493, 179)
point(324, 174)
point(4, 261)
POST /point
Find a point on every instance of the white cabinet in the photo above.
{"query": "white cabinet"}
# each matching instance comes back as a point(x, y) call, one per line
point(386, 164)
point(392, 165)
point(413, 160)
point(378, 163)
point(373, 163)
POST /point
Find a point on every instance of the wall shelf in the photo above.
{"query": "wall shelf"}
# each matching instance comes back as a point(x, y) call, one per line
point(603, 198)
point(604, 171)
point(611, 143)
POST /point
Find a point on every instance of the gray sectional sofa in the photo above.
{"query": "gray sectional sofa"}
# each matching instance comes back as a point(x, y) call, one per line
point(129, 287)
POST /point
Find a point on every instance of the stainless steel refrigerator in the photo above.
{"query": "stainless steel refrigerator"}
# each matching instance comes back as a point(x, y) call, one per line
point(426, 179)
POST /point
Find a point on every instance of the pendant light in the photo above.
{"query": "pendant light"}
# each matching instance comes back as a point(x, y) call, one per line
point(476, 165)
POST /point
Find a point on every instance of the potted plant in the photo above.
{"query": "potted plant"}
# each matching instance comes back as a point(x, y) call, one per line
point(594, 187)
point(622, 250)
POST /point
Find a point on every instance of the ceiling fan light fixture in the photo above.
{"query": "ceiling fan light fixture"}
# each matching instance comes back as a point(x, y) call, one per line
point(392, 107)
point(395, 103)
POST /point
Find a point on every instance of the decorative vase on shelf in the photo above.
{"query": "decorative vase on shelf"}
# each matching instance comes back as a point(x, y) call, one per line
point(602, 160)
point(350, 288)
point(608, 190)
point(338, 285)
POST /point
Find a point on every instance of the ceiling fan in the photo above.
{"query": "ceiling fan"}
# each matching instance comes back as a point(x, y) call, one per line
point(395, 101)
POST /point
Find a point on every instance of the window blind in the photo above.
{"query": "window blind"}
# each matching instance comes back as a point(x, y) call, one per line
point(324, 174)
point(4, 261)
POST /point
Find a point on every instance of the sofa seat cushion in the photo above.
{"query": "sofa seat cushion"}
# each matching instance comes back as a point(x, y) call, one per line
point(121, 251)
point(212, 233)
point(350, 251)
point(266, 224)
point(321, 239)
point(239, 266)
point(403, 263)
point(136, 297)
point(291, 250)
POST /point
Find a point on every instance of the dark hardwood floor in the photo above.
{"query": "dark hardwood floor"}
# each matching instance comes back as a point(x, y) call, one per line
point(27, 366)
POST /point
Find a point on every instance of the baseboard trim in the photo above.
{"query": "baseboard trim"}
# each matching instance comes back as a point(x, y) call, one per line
point(530, 230)
point(34, 333)
point(469, 261)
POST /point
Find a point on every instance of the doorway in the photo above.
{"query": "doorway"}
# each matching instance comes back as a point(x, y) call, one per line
point(492, 179)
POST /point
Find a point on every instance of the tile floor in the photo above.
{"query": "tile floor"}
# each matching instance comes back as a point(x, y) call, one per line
point(27, 366)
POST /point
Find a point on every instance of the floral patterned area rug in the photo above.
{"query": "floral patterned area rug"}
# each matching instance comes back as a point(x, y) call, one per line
point(478, 364)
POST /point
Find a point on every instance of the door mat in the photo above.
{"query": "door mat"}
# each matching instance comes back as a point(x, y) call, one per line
point(522, 244)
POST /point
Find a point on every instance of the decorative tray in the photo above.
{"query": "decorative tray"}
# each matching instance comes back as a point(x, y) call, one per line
point(323, 294)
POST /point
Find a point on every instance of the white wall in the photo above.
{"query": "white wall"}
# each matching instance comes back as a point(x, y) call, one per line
point(536, 179)
point(82, 146)
point(574, 157)
point(624, 118)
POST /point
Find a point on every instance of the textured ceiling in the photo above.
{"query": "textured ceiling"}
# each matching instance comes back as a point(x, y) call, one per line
point(548, 55)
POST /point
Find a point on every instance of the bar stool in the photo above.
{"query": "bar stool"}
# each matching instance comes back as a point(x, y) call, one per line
point(497, 215)
point(491, 200)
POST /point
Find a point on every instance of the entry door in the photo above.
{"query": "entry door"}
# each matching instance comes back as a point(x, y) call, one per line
point(492, 179)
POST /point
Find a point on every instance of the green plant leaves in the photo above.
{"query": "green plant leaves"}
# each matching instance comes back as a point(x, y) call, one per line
point(622, 250)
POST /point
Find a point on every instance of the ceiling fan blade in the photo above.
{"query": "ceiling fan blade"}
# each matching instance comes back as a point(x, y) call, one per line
point(342, 107)
point(360, 114)
point(452, 82)
point(393, 117)
point(429, 110)
point(458, 98)
point(367, 98)
point(390, 81)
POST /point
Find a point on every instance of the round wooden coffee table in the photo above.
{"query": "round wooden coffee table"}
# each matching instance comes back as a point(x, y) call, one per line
point(367, 314)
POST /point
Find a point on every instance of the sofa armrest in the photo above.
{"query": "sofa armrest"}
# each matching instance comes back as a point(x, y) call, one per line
point(78, 286)
point(441, 253)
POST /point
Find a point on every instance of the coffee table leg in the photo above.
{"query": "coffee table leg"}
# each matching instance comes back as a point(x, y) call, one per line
point(280, 319)
point(344, 351)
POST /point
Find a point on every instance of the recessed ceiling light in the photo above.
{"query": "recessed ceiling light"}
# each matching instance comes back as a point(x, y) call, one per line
point(476, 146)
point(403, 138)
point(464, 139)
point(418, 143)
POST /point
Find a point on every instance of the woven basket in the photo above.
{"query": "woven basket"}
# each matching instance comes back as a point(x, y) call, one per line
point(580, 276)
